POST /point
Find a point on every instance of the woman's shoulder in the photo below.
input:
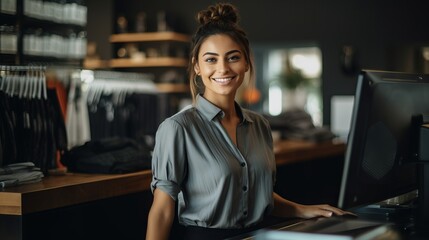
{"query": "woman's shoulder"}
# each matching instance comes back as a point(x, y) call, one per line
point(182, 117)
point(255, 116)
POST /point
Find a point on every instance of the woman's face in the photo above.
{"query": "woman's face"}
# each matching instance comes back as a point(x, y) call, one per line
point(221, 65)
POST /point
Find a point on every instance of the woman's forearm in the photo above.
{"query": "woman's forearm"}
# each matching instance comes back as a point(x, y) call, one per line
point(284, 207)
point(161, 216)
point(158, 226)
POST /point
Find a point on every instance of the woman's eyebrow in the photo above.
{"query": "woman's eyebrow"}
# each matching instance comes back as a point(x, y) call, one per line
point(227, 53)
point(210, 53)
point(233, 51)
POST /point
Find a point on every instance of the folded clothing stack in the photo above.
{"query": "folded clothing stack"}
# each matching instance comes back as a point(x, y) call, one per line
point(19, 173)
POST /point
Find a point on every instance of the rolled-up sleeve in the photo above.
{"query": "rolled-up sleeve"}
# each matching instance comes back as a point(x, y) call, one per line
point(169, 158)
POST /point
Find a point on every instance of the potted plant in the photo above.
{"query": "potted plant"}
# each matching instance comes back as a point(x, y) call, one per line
point(293, 84)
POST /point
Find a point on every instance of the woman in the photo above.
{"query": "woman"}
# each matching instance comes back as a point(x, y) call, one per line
point(215, 158)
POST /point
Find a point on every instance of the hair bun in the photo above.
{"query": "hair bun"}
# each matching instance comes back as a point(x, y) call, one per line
point(219, 13)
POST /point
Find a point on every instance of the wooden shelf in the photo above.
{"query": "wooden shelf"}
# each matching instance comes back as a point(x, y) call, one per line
point(172, 87)
point(149, 37)
point(95, 64)
point(148, 62)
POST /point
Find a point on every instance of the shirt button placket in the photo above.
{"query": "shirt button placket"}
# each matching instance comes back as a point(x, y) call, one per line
point(245, 189)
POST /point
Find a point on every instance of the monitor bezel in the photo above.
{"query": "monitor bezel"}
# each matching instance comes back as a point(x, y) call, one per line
point(367, 79)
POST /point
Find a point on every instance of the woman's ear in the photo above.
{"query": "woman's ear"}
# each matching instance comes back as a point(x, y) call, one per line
point(196, 67)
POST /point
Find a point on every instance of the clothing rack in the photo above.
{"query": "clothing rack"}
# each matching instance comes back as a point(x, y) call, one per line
point(128, 76)
point(24, 81)
point(109, 103)
point(112, 81)
point(31, 124)
point(14, 68)
point(119, 85)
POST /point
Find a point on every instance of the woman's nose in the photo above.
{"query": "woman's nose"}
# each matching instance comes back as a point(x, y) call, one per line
point(223, 66)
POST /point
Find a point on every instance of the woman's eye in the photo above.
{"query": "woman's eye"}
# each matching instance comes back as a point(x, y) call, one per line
point(234, 58)
point(210, 60)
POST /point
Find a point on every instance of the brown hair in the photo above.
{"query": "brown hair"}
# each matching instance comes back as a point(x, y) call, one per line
point(221, 18)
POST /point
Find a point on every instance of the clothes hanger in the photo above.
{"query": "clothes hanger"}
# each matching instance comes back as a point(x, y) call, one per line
point(44, 85)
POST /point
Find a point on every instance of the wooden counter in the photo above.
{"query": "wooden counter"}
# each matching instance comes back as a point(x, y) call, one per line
point(74, 188)
point(309, 172)
point(70, 189)
point(292, 151)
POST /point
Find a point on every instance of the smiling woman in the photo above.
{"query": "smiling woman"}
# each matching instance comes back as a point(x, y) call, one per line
point(214, 157)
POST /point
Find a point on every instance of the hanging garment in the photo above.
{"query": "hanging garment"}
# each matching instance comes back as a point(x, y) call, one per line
point(77, 120)
point(58, 128)
point(7, 135)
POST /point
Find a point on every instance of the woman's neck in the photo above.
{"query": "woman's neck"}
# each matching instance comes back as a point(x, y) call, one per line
point(226, 103)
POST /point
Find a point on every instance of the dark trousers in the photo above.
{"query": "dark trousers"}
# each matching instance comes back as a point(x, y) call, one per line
point(202, 233)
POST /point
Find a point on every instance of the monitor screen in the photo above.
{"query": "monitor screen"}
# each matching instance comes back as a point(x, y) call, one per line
point(377, 161)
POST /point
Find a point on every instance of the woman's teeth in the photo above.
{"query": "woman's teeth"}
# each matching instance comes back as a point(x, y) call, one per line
point(222, 80)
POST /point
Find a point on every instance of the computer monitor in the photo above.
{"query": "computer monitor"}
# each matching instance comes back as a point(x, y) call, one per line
point(380, 158)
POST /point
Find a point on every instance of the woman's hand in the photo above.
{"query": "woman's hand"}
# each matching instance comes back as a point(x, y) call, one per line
point(286, 208)
point(322, 210)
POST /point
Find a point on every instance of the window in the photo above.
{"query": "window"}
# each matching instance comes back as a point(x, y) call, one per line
point(290, 77)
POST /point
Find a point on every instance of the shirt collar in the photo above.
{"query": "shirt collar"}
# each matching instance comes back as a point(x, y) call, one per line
point(211, 111)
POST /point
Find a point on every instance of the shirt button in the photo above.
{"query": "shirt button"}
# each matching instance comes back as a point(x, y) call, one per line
point(243, 164)
point(244, 188)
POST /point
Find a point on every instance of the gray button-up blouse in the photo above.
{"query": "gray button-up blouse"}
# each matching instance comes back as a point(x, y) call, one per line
point(216, 183)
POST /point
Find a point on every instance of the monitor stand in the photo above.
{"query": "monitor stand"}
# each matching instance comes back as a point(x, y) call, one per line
point(420, 141)
point(398, 209)
point(423, 200)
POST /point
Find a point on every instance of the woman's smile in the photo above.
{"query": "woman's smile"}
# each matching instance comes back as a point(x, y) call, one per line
point(223, 80)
